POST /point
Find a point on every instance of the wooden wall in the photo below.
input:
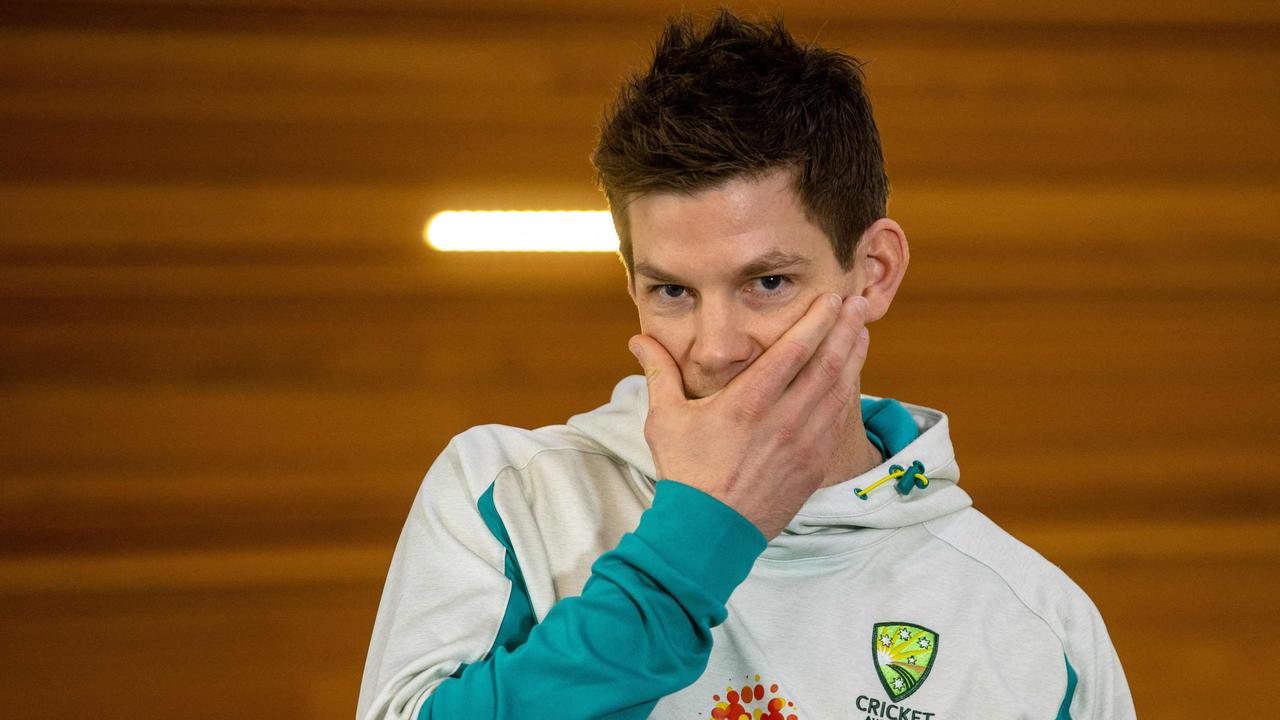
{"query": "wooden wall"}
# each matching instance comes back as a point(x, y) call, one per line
point(227, 358)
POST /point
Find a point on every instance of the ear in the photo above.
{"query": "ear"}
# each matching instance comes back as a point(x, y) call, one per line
point(880, 264)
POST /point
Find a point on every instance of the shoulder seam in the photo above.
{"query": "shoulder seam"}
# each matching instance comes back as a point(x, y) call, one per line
point(529, 461)
point(1003, 579)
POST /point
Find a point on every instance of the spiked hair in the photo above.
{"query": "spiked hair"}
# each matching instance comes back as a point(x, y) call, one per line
point(740, 98)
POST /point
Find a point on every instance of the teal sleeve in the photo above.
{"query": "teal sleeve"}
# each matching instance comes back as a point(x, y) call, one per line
point(640, 630)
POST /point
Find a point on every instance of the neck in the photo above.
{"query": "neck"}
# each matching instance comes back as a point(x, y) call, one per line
point(854, 456)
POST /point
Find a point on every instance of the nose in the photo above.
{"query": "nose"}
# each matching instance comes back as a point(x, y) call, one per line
point(722, 347)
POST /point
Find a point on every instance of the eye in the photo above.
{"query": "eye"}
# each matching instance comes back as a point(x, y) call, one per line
point(668, 292)
point(772, 283)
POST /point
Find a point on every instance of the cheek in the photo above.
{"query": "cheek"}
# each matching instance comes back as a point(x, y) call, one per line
point(769, 334)
point(773, 326)
point(655, 326)
point(673, 335)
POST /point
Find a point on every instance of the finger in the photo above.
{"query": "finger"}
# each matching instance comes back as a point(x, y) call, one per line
point(765, 380)
point(824, 375)
point(837, 406)
point(661, 374)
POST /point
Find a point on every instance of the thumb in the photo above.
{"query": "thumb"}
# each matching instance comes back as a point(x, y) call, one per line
point(661, 373)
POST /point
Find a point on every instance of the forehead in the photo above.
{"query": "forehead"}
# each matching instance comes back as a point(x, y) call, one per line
point(724, 226)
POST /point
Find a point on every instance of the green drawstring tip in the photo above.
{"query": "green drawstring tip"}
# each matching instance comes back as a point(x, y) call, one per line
point(909, 479)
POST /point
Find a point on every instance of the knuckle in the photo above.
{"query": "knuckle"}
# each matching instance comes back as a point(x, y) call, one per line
point(788, 431)
point(654, 422)
point(749, 407)
point(793, 352)
point(831, 364)
point(841, 394)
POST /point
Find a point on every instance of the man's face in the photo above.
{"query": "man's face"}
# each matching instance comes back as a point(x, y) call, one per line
point(720, 276)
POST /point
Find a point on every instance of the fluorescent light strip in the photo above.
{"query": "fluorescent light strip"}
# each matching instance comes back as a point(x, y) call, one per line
point(521, 231)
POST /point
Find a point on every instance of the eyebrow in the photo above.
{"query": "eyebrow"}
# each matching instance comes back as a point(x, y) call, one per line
point(762, 265)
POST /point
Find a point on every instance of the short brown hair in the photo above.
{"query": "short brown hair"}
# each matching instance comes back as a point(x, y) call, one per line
point(742, 98)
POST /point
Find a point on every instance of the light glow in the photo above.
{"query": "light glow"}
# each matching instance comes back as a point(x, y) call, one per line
point(521, 231)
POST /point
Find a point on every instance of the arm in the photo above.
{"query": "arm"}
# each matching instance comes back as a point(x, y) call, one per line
point(1096, 685)
point(640, 630)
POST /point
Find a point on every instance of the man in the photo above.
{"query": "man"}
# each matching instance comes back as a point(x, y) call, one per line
point(740, 533)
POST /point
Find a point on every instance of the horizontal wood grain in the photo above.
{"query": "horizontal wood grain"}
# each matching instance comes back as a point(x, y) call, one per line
point(50, 292)
point(1139, 12)
point(277, 224)
point(489, 102)
point(540, 62)
point(227, 358)
point(250, 652)
point(465, 344)
point(106, 424)
point(197, 570)
point(1111, 451)
point(1095, 141)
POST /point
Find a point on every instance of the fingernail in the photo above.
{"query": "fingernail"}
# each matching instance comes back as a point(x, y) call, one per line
point(635, 349)
point(834, 301)
point(862, 305)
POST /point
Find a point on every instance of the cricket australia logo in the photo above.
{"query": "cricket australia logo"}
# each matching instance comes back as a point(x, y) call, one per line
point(904, 655)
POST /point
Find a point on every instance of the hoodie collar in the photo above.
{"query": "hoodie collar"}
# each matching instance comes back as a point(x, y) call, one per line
point(903, 432)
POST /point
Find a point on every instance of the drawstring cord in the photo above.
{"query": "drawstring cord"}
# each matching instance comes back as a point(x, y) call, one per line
point(907, 478)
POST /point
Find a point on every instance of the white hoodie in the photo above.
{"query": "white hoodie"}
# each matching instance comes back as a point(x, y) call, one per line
point(547, 573)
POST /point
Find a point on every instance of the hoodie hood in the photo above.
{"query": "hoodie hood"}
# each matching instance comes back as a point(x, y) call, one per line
point(904, 433)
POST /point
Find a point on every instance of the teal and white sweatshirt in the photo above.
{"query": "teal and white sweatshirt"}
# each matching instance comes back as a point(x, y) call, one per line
point(548, 574)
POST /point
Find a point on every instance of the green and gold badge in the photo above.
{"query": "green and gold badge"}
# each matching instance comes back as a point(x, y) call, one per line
point(904, 655)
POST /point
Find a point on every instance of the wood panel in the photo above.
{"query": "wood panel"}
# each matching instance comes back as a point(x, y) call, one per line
point(1241, 272)
point(226, 357)
point(1134, 15)
point(434, 346)
point(1026, 240)
point(414, 102)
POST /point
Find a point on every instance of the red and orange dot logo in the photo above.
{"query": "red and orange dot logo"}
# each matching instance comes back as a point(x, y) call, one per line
point(751, 702)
